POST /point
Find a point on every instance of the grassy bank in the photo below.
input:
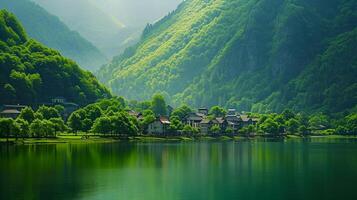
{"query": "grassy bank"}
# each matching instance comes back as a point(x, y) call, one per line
point(79, 139)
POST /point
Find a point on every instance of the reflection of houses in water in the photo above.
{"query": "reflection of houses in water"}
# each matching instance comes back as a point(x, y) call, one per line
point(11, 111)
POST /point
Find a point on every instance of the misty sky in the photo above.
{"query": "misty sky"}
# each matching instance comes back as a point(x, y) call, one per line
point(137, 12)
point(109, 24)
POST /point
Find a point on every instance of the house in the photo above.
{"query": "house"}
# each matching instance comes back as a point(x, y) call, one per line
point(14, 107)
point(10, 113)
point(255, 121)
point(222, 123)
point(234, 121)
point(159, 127)
point(207, 123)
point(69, 107)
point(58, 100)
point(232, 112)
point(194, 119)
point(203, 111)
point(246, 120)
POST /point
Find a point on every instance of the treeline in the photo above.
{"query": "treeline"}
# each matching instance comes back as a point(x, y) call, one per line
point(119, 117)
point(108, 117)
point(44, 122)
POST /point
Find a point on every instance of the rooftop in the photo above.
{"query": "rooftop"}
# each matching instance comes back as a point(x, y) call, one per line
point(10, 111)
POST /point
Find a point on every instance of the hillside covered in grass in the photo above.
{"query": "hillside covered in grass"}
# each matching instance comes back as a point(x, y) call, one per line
point(253, 55)
point(31, 73)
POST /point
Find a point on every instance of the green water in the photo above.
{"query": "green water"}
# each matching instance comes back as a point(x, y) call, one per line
point(294, 169)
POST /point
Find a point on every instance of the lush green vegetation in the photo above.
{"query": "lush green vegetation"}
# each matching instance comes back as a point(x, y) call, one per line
point(261, 56)
point(111, 117)
point(50, 31)
point(106, 117)
point(31, 73)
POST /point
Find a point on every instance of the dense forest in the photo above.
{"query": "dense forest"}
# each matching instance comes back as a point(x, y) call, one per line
point(31, 73)
point(49, 30)
point(252, 55)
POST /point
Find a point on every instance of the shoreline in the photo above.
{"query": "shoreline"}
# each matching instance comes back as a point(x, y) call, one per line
point(99, 140)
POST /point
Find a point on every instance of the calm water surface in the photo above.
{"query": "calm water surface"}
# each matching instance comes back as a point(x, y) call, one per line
point(294, 169)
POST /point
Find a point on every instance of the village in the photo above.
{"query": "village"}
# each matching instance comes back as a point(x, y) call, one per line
point(200, 122)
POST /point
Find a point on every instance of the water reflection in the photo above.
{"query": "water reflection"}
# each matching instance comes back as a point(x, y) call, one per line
point(205, 170)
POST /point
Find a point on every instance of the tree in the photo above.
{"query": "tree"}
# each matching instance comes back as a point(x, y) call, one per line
point(75, 122)
point(93, 112)
point(303, 130)
point(122, 124)
point(292, 125)
point(48, 112)
point(176, 124)
point(182, 112)
point(270, 126)
point(288, 114)
point(148, 118)
point(247, 130)
point(158, 105)
point(27, 114)
point(215, 129)
point(59, 108)
point(318, 121)
point(36, 128)
point(102, 125)
point(87, 124)
point(48, 128)
point(229, 131)
point(6, 127)
point(351, 123)
point(24, 127)
point(217, 111)
point(189, 130)
point(58, 125)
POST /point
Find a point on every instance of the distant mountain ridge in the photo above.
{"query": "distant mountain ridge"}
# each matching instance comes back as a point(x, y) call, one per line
point(49, 30)
point(111, 25)
point(104, 31)
point(252, 55)
point(31, 73)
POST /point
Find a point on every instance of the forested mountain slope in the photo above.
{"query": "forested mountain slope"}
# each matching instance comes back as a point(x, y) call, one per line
point(111, 25)
point(49, 30)
point(31, 73)
point(259, 55)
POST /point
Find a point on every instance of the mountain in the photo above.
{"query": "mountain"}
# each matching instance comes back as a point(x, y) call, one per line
point(110, 25)
point(49, 30)
point(252, 55)
point(137, 13)
point(31, 73)
point(97, 26)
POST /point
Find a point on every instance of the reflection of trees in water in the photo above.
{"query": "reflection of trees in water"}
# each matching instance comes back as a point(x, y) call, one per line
point(64, 171)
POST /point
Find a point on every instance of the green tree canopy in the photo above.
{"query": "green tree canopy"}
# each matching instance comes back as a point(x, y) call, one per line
point(158, 105)
point(217, 111)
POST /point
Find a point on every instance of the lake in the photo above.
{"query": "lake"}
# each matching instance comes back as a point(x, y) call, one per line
point(258, 169)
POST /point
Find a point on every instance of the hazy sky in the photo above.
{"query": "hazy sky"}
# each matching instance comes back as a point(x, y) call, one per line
point(137, 12)
point(109, 24)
